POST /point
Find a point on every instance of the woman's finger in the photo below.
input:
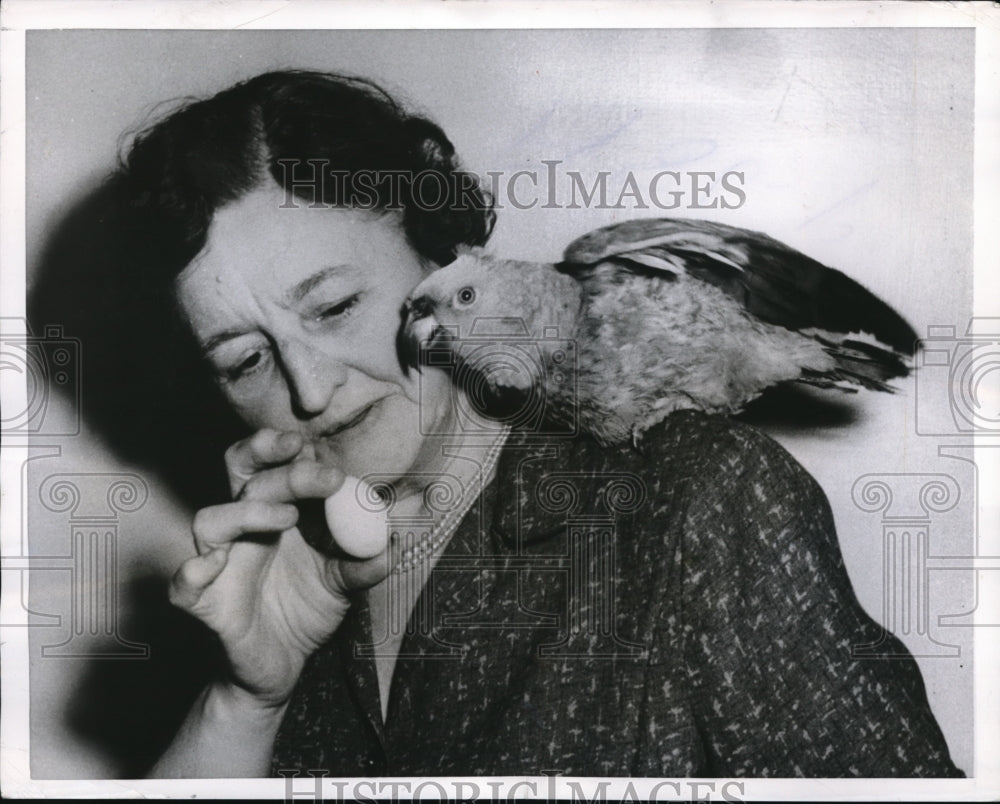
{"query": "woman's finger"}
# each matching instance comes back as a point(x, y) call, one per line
point(219, 525)
point(194, 576)
point(263, 449)
point(298, 480)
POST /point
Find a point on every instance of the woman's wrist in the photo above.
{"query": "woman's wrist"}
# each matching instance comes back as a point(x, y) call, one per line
point(228, 733)
point(227, 701)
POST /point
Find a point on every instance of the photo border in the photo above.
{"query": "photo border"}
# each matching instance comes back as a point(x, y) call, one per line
point(19, 16)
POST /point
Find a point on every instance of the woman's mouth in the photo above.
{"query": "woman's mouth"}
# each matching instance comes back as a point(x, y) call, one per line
point(354, 421)
point(330, 444)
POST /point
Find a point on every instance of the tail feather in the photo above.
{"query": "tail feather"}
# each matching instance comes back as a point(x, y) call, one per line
point(858, 363)
point(855, 308)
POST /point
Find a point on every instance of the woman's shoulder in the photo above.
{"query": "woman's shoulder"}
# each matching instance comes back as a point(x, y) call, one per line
point(735, 494)
point(707, 451)
point(747, 504)
point(689, 453)
point(691, 471)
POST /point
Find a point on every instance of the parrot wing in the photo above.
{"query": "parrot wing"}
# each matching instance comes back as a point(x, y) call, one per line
point(773, 282)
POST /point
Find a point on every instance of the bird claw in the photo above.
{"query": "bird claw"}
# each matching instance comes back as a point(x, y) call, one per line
point(637, 440)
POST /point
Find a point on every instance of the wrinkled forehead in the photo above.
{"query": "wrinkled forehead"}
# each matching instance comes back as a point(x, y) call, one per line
point(269, 226)
point(268, 235)
point(264, 253)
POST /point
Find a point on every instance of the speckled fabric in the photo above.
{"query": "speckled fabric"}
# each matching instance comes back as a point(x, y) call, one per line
point(680, 612)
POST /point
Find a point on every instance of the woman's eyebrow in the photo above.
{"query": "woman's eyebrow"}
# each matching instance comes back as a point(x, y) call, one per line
point(220, 337)
point(302, 289)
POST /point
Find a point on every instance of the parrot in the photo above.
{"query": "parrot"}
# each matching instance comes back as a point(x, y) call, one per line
point(646, 317)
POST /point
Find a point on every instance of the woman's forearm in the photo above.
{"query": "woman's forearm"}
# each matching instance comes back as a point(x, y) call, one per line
point(227, 734)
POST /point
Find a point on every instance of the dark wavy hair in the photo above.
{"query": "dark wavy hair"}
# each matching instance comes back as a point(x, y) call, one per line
point(325, 138)
point(108, 270)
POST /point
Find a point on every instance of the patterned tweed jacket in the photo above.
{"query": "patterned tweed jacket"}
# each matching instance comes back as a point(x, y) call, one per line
point(680, 612)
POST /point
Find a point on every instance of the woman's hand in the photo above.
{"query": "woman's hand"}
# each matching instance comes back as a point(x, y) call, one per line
point(270, 597)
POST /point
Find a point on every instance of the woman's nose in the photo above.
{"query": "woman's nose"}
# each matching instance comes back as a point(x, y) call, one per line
point(313, 377)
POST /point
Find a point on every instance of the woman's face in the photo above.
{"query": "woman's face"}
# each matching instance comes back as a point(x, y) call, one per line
point(297, 311)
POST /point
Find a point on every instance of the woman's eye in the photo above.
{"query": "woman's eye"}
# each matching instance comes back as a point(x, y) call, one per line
point(244, 368)
point(466, 295)
point(338, 309)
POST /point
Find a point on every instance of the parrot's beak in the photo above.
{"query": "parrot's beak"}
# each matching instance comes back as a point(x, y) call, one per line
point(419, 330)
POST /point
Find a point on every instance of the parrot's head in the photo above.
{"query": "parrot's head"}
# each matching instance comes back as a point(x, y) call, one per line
point(485, 306)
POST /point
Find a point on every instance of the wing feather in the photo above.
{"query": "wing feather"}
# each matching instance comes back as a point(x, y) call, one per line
point(773, 282)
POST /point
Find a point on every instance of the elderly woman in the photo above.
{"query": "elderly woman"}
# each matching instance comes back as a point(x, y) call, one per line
point(701, 624)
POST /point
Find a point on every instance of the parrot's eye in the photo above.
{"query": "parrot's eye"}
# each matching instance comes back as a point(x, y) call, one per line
point(466, 296)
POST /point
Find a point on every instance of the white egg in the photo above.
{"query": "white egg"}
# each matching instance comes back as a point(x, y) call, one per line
point(359, 526)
